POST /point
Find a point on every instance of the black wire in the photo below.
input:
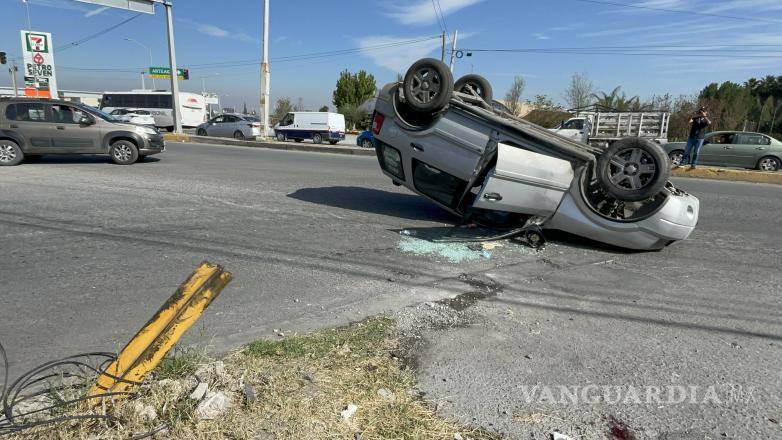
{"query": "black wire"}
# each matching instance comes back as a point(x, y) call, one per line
point(30, 385)
point(83, 40)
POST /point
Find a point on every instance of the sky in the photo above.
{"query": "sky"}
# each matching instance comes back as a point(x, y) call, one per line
point(684, 44)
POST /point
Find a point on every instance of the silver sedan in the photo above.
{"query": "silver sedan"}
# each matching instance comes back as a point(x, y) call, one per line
point(236, 126)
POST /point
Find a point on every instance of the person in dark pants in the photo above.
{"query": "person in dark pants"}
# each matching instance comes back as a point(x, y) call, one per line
point(698, 124)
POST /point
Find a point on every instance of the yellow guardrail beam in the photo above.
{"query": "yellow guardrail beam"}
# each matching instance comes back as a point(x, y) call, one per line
point(148, 347)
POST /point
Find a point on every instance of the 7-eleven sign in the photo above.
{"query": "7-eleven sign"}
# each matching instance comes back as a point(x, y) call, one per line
point(37, 42)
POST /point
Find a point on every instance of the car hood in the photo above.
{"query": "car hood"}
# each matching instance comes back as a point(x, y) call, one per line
point(125, 126)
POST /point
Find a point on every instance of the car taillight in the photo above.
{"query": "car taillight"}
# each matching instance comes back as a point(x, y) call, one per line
point(377, 122)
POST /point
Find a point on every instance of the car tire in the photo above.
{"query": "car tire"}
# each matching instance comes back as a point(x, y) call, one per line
point(633, 169)
point(238, 135)
point(10, 153)
point(676, 157)
point(123, 152)
point(280, 137)
point(428, 85)
point(769, 163)
point(298, 140)
point(366, 143)
point(317, 138)
point(201, 132)
point(170, 129)
point(474, 85)
point(333, 142)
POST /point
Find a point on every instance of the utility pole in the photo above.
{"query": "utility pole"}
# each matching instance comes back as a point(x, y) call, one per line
point(172, 61)
point(149, 49)
point(453, 49)
point(143, 84)
point(265, 75)
point(13, 70)
point(442, 56)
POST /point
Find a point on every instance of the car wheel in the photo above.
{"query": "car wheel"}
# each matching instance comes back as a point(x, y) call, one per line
point(281, 137)
point(170, 129)
point(366, 143)
point(676, 157)
point(474, 85)
point(298, 140)
point(769, 163)
point(317, 138)
point(428, 85)
point(238, 135)
point(123, 152)
point(333, 142)
point(633, 169)
point(10, 153)
point(201, 132)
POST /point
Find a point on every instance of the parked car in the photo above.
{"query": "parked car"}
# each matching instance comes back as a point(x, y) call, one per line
point(318, 126)
point(34, 127)
point(445, 141)
point(733, 149)
point(364, 139)
point(235, 125)
point(134, 116)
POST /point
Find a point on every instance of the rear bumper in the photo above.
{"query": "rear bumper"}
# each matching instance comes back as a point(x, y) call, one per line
point(336, 135)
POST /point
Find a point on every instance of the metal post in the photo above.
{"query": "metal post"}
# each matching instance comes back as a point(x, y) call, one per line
point(13, 71)
point(172, 64)
point(154, 86)
point(453, 49)
point(265, 74)
point(442, 56)
point(143, 84)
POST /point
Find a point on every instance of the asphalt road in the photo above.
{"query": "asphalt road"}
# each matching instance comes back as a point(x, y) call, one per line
point(90, 250)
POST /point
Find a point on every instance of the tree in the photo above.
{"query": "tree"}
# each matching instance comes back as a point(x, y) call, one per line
point(282, 108)
point(729, 105)
point(351, 91)
point(353, 88)
point(617, 100)
point(579, 91)
point(355, 117)
point(543, 102)
point(299, 105)
point(325, 108)
point(513, 96)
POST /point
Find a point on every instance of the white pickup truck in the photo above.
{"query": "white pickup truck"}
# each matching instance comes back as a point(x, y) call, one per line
point(602, 128)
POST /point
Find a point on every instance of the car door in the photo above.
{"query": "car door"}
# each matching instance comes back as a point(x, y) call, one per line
point(749, 148)
point(31, 121)
point(714, 151)
point(286, 125)
point(215, 126)
point(231, 125)
point(70, 134)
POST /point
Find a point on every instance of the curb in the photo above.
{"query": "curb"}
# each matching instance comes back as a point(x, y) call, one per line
point(728, 174)
point(356, 151)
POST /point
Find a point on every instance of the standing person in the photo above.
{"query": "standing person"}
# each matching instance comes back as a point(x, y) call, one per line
point(698, 124)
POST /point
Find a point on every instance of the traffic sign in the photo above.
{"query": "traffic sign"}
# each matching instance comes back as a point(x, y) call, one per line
point(165, 72)
point(145, 6)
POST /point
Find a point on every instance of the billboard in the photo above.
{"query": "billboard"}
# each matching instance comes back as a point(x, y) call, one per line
point(40, 79)
point(145, 6)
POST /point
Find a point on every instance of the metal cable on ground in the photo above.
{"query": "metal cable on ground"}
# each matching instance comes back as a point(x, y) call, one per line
point(54, 400)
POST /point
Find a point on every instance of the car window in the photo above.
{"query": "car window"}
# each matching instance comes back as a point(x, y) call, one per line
point(436, 183)
point(229, 119)
point(752, 139)
point(287, 120)
point(217, 120)
point(66, 114)
point(141, 112)
point(574, 124)
point(26, 111)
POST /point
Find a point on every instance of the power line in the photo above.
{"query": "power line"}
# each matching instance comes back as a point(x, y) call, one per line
point(291, 58)
point(83, 40)
point(625, 52)
point(679, 11)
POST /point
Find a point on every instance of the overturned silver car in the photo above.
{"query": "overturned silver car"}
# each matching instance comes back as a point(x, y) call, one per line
point(447, 142)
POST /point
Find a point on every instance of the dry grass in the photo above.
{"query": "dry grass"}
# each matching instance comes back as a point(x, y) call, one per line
point(302, 383)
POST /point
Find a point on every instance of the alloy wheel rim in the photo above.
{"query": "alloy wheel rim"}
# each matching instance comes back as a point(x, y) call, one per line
point(768, 164)
point(676, 159)
point(123, 153)
point(426, 85)
point(7, 153)
point(632, 168)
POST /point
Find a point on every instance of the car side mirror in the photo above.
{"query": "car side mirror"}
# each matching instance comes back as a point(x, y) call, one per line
point(86, 120)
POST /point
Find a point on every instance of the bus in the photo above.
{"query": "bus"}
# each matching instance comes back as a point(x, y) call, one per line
point(192, 106)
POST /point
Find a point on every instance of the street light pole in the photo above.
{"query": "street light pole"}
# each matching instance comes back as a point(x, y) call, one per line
point(265, 75)
point(149, 49)
point(172, 62)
